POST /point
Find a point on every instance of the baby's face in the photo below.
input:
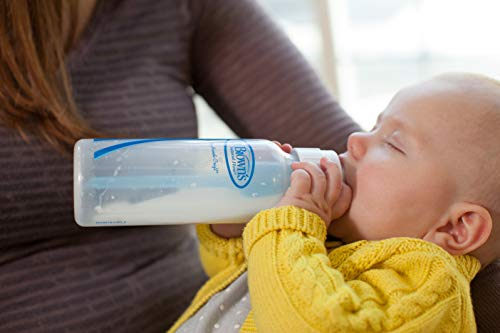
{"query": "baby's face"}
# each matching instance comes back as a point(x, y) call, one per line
point(402, 172)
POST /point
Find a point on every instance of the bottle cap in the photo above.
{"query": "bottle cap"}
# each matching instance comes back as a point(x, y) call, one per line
point(314, 155)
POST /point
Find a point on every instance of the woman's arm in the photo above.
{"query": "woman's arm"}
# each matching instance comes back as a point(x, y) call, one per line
point(258, 82)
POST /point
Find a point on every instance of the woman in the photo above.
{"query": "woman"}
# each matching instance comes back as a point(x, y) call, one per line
point(133, 67)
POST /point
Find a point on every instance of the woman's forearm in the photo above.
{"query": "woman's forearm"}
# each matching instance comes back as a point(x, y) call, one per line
point(233, 230)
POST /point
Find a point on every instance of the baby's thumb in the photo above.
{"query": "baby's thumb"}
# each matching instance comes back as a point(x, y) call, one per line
point(300, 183)
point(343, 202)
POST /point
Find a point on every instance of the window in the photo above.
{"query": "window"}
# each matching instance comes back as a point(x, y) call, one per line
point(365, 51)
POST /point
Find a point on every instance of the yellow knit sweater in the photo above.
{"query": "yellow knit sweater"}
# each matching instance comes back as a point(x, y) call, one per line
point(297, 285)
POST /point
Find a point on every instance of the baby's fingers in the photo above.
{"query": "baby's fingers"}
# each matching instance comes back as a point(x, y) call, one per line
point(287, 148)
point(300, 183)
point(318, 178)
point(334, 181)
point(343, 202)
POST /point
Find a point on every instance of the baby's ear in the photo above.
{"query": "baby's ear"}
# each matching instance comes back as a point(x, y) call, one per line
point(467, 227)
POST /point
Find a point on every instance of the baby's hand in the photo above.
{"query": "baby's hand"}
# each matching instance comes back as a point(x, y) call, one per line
point(286, 147)
point(318, 189)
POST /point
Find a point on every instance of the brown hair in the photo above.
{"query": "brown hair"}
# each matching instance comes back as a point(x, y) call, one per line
point(35, 92)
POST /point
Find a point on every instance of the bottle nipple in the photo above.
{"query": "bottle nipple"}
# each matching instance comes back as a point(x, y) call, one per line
point(314, 155)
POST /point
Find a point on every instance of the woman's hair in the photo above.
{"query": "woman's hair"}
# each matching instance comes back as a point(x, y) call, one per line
point(35, 92)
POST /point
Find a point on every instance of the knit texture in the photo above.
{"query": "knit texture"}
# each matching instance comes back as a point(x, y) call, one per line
point(398, 284)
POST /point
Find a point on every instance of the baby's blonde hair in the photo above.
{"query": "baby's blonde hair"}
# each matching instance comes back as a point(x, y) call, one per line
point(485, 183)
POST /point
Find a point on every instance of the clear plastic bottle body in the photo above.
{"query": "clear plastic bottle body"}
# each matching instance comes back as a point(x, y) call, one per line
point(170, 181)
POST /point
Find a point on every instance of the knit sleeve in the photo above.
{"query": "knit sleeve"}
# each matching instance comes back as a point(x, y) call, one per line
point(257, 81)
point(295, 286)
point(218, 253)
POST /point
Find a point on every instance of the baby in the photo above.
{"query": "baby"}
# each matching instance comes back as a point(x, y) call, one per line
point(418, 208)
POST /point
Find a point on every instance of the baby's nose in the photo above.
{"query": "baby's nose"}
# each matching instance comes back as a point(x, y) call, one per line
point(356, 145)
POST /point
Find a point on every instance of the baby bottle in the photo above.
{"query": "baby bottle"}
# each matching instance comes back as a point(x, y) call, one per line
point(122, 182)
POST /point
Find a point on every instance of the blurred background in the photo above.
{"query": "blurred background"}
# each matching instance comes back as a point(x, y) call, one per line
point(365, 50)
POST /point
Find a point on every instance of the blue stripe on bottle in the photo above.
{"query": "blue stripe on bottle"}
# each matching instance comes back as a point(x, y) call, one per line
point(104, 151)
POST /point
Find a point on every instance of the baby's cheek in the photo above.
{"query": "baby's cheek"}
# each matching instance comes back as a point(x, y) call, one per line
point(389, 195)
point(376, 184)
point(376, 198)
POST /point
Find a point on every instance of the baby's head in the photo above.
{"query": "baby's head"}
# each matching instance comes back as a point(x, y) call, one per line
point(430, 168)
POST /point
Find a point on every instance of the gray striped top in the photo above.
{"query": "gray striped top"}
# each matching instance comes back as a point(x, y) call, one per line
point(135, 71)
